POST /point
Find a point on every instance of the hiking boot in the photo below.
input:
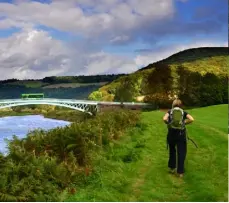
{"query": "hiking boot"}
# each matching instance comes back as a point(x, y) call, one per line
point(172, 170)
point(180, 175)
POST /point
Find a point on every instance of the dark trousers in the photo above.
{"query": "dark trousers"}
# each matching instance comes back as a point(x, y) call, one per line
point(177, 143)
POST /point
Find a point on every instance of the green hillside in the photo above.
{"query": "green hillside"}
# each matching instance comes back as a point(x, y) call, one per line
point(191, 55)
point(145, 177)
point(198, 76)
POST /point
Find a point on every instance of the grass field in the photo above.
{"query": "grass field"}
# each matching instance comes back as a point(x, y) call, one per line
point(135, 169)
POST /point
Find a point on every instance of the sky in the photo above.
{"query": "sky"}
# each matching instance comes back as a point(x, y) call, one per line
point(40, 38)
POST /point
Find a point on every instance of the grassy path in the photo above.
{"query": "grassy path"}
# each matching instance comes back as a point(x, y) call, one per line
point(158, 184)
point(206, 167)
point(147, 178)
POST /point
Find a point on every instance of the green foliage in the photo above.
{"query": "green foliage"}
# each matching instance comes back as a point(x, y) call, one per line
point(134, 168)
point(81, 79)
point(202, 90)
point(48, 165)
point(185, 74)
point(25, 177)
point(113, 168)
point(198, 59)
point(159, 83)
point(129, 89)
point(62, 79)
point(96, 96)
point(213, 94)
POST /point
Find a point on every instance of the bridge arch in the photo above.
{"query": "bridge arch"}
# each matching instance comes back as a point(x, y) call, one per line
point(70, 105)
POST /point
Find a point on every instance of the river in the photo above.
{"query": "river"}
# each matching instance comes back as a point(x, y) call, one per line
point(21, 125)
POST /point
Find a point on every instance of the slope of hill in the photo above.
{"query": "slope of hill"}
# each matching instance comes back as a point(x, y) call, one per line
point(191, 55)
point(198, 76)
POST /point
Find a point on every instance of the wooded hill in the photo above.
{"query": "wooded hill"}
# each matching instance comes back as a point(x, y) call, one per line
point(65, 87)
point(198, 76)
point(63, 79)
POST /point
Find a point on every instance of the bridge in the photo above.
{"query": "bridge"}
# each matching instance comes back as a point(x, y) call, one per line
point(87, 106)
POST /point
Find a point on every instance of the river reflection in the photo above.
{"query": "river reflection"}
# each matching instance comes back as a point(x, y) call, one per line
point(21, 125)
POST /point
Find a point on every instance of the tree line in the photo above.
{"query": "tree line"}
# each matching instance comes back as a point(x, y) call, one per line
point(71, 79)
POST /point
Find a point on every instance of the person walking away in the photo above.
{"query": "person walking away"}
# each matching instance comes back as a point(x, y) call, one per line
point(176, 119)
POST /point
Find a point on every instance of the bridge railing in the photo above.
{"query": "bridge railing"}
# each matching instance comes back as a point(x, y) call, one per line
point(73, 101)
point(47, 100)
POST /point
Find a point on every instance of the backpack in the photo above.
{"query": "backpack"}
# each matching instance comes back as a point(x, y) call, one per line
point(176, 118)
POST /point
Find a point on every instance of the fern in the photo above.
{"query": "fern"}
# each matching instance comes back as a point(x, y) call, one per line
point(7, 197)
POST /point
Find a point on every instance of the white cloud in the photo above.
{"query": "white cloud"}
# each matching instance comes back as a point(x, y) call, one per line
point(104, 63)
point(32, 54)
point(120, 38)
point(35, 54)
point(8, 23)
point(113, 16)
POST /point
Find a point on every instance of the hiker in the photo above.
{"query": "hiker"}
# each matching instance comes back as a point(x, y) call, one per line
point(176, 119)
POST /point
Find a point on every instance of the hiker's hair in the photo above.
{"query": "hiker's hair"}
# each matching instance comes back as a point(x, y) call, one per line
point(177, 103)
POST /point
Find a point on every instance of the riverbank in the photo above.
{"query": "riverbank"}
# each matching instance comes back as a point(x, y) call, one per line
point(49, 165)
point(66, 115)
point(22, 125)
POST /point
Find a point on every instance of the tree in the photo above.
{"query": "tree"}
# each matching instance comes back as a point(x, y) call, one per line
point(211, 90)
point(160, 85)
point(128, 90)
point(160, 79)
point(96, 96)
